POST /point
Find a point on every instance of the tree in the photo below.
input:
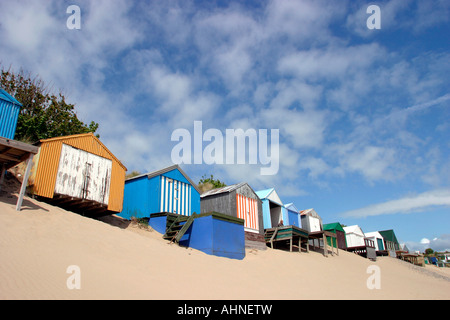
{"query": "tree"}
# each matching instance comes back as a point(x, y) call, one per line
point(215, 182)
point(206, 184)
point(132, 174)
point(43, 115)
point(429, 251)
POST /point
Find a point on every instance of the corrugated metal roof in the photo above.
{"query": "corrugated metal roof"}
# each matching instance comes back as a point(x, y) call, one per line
point(164, 170)
point(389, 235)
point(7, 97)
point(292, 207)
point(222, 190)
point(262, 194)
point(310, 212)
point(333, 226)
point(375, 234)
point(354, 229)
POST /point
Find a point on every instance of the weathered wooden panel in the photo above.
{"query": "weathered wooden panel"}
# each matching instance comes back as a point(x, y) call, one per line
point(341, 239)
point(83, 175)
point(221, 202)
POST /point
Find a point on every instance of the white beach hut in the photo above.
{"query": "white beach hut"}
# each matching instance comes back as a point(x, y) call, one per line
point(354, 236)
point(357, 242)
point(311, 221)
point(377, 238)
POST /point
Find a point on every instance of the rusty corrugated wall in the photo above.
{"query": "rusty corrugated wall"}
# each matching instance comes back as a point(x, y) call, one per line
point(47, 166)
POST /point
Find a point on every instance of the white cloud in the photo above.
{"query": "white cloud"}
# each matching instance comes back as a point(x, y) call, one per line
point(421, 202)
point(372, 162)
point(398, 117)
point(441, 243)
point(301, 20)
point(333, 62)
point(276, 65)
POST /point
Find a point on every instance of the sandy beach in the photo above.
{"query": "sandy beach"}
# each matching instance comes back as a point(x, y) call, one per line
point(119, 260)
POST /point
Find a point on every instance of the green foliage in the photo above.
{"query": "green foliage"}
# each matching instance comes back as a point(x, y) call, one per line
point(216, 183)
point(132, 174)
point(43, 115)
point(429, 251)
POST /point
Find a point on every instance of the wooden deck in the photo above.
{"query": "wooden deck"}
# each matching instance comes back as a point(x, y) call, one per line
point(414, 258)
point(287, 234)
point(323, 235)
point(295, 236)
point(13, 152)
point(366, 251)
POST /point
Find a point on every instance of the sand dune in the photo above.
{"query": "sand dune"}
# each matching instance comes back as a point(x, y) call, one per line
point(38, 244)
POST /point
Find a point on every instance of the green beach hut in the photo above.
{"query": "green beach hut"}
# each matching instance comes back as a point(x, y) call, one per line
point(336, 228)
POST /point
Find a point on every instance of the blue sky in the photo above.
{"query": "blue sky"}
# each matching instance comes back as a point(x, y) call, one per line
point(363, 115)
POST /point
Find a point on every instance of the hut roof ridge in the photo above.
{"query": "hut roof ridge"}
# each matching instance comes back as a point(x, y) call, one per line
point(262, 194)
point(6, 96)
point(222, 189)
point(164, 170)
point(81, 135)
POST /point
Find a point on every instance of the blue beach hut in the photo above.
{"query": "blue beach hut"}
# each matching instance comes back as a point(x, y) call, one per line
point(293, 215)
point(169, 190)
point(273, 209)
point(9, 114)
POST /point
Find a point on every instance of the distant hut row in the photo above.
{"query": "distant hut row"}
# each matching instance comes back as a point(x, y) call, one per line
point(79, 173)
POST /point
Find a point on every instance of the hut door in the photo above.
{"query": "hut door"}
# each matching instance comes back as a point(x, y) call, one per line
point(247, 209)
point(175, 196)
point(83, 175)
point(380, 244)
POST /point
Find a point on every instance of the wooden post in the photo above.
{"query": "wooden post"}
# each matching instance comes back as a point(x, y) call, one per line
point(2, 175)
point(292, 239)
point(337, 245)
point(299, 244)
point(24, 182)
point(325, 249)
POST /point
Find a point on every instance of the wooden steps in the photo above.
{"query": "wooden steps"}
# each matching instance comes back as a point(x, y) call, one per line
point(176, 226)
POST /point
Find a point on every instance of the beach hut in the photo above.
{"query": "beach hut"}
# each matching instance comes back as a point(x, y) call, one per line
point(79, 173)
point(377, 238)
point(240, 201)
point(354, 236)
point(336, 228)
point(293, 215)
point(391, 244)
point(274, 212)
point(358, 243)
point(281, 222)
point(311, 221)
point(9, 114)
point(151, 195)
